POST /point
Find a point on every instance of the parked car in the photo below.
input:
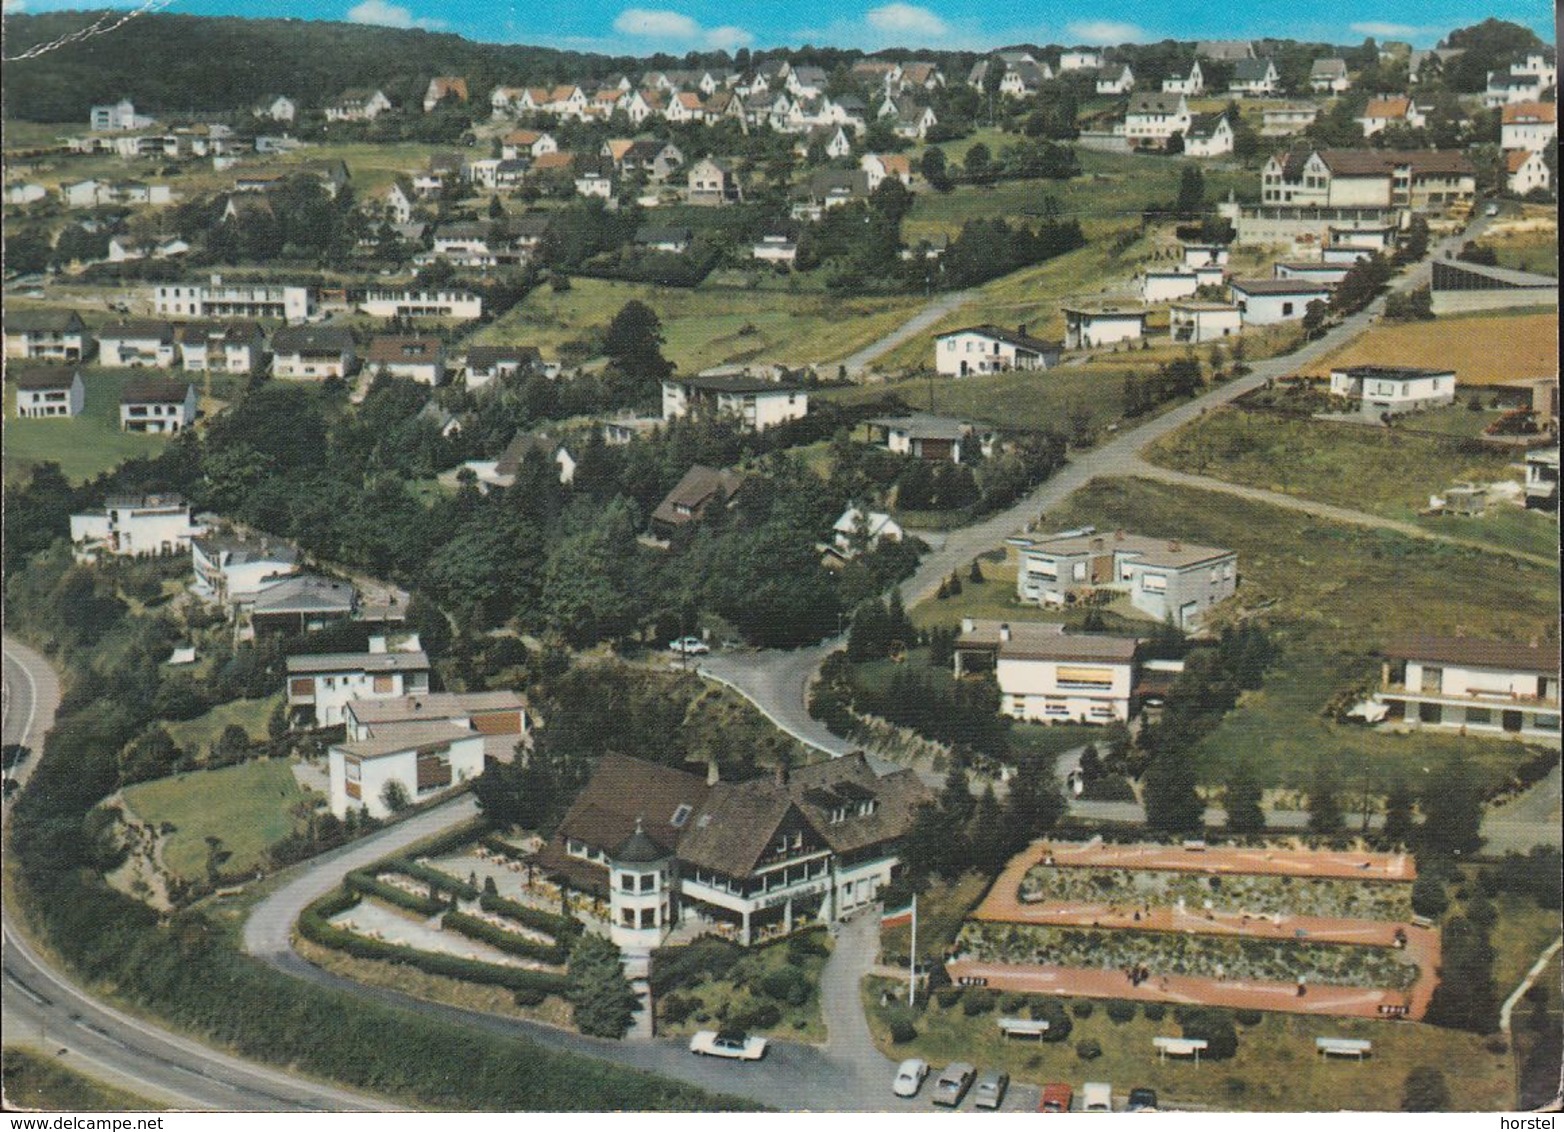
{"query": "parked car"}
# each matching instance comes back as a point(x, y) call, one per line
point(1056, 1098)
point(690, 646)
point(991, 1088)
point(1142, 1100)
point(909, 1077)
point(954, 1081)
point(737, 1047)
point(1492, 209)
point(1096, 1096)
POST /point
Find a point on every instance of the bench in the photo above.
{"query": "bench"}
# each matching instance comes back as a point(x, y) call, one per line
point(1344, 1047)
point(1023, 1027)
point(1179, 1047)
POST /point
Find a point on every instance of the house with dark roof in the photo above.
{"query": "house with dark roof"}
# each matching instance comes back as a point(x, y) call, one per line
point(1047, 675)
point(483, 364)
point(1267, 301)
point(231, 568)
point(700, 492)
point(1329, 76)
point(155, 404)
point(1209, 135)
point(1165, 578)
point(137, 342)
point(992, 349)
point(359, 104)
point(46, 335)
point(419, 359)
point(48, 391)
point(313, 352)
point(1472, 685)
point(925, 436)
point(302, 603)
point(748, 860)
point(237, 347)
point(675, 240)
point(1393, 391)
point(713, 182)
point(321, 685)
point(757, 402)
point(1254, 78)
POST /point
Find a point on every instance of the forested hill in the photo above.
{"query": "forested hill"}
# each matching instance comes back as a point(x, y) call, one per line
point(169, 64)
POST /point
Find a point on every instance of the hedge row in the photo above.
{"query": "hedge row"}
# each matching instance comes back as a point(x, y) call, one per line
point(423, 905)
point(443, 881)
point(314, 926)
point(497, 844)
point(474, 928)
point(549, 923)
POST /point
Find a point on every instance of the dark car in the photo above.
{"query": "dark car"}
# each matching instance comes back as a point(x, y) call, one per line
point(1142, 1100)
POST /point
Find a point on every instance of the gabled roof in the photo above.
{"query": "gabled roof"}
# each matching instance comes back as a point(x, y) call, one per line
point(521, 446)
point(39, 378)
point(1205, 125)
point(359, 662)
point(698, 487)
point(307, 593)
point(390, 349)
point(312, 340)
point(1251, 70)
point(139, 328)
point(1157, 104)
point(1387, 108)
point(25, 321)
point(154, 391)
point(1015, 338)
point(547, 161)
point(1528, 112)
point(1516, 159)
point(1475, 652)
point(1328, 69)
point(925, 426)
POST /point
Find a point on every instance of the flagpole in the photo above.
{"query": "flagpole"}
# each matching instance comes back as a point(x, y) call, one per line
point(912, 957)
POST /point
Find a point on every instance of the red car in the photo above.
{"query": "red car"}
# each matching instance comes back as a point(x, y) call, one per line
point(1056, 1098)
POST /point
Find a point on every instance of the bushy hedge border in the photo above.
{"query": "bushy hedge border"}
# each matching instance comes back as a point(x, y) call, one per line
point(474, 928)
point(435, 878)
point(497, 844)
point(549, 923)
point(315, 927)
point(363, 882)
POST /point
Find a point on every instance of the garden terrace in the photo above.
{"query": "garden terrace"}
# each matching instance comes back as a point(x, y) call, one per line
point(1348, 864)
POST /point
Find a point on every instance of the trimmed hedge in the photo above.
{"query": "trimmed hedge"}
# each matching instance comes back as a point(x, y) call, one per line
point(314, 927)
point(497, 844)
point(549, 923)
point(363, 882)
point(434, 878)
point(474, 928)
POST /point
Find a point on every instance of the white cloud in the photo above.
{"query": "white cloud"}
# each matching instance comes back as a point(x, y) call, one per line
point(1106, 31)
point(382, 13)
point(656, 24)
point(907, 19)
point(1384, 30)
point(15, 6)
point(728, 38)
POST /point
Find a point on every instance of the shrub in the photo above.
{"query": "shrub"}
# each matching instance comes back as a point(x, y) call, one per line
point(1053, 1012)
point(1216, 1028)
point(787, 984)
point(1428, 896)
point(1425, 1090)
point(674, 967)
point(677, 1007)
point(902, 1030)
point(364, 883)
point(509, 942)
point(1119, 1011)
point(761, 1016)
point(1082, 1009)
point(979, 1001)
point(434, 878)
point(1089, 1050)
point(1012, 1004)
point(806, 944)
point(1154, 1011)
point(1248, 1017)
point(530, 996)
point(948, 996)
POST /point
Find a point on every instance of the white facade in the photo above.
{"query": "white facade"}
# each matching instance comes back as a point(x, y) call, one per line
point(1525, 173)
point(1088, 329)
point(990, 350)
point(1215, 143)
point(1204, 255)
point(133, 526)
point(1082, 60)
point(1528, 126)
point(1203, 322)
point(426, 304)
point(65, 396)
point(235, 300)
point(125, 348)
point(1165, 286)
point(1266, 306)
point(1381, 390)
point(425, 765)
point(1505, 695)
point(161, 413)
point(759, 404)
point(1191, 82)
point(325, 684)
point(1155, 118)
point(1048, 676)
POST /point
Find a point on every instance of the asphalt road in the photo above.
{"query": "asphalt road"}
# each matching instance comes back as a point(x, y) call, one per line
point(46, 1009)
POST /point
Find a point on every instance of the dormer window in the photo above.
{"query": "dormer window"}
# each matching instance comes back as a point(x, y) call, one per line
point(680, 816)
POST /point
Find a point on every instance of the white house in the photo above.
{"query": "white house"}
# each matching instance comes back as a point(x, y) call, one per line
point(1081, 59)
point(238, 347)
point(1115, 79)
point(153, 404)
point(1477, 686)
point(117, 116)
point(139, 342)
point(1284, 121)
point(277, 108)
point(483, 364)
point(1393, 390)
point(1153, 118)
point(321, 686)
point(1267, 301)
point(1329, 76)
point(1528, 125)
point(1254, 77)
point(774, 249)
point(48, 391)
point(1046, 675)
point(390, 302)
point(992, 349)
point(442, 87)
point(499, 716)
point(46, 335)
point(1161, 286)
point(527, 143)
point(1525, 170)
point(358, 105)
point(1383, 113)
point(423, 759)
point(757, 402)
point(419, 359)
point(232, 569)
point(1506, 88)
point(1087, 328)
point(926, 436)
point(1202, 255)
point(1203, 322)
point(1542, 478)
point(1167, 579)
point(1315, 271)
point(287, 302)
point(858, 530)
point(1190, 82)
point(312, 352)
point(133, 525)
point(1209, 135)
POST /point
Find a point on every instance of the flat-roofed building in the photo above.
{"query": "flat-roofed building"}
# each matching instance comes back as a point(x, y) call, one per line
point(1046, 675)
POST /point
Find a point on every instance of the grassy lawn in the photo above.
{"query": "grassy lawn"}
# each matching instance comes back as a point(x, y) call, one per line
point(1382, 471)
point(941, 911)
point(83, 446)
point(249, 806)
point(1053, 738)
point(33, 135)
point(1526, 245)
point(1483, 349)
point(739, 992)
point(1519, 936)
point(1276, 1068)
point(202, 731)
point(38, 1081)
point(1319, 584)
point(709, 326)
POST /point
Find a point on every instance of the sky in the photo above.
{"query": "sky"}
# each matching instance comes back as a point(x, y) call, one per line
point(643, 27)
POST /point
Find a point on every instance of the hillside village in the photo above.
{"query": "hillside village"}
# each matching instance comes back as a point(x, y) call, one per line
point(729, 503)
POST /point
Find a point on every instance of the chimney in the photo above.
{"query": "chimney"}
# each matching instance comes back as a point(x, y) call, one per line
point(1004, 632)
point(712, 773)
point(968, 625)
point(377, 644)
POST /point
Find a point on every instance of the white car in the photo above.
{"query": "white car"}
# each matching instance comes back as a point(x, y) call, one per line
point(909, 1077)
point(689, 646)
point(738, 1047)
